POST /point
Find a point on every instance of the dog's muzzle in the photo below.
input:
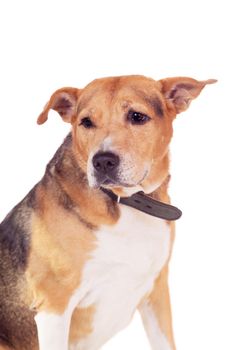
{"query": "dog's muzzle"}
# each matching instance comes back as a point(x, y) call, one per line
point(106, 166)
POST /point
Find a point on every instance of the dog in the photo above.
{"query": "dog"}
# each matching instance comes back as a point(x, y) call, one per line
point(80, 254)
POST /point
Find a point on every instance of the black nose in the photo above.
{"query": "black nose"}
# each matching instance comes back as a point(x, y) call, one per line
point(105, 162)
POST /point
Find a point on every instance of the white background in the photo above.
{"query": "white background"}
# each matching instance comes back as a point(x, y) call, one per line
point(49, 44)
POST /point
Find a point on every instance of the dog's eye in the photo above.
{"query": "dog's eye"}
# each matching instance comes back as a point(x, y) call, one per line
point(137, 118)
point(87, 123)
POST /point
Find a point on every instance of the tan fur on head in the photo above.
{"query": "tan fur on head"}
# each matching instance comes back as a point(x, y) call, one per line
point(106, 103)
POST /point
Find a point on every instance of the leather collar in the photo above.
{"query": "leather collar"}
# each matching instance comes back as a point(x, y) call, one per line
point(146, 204)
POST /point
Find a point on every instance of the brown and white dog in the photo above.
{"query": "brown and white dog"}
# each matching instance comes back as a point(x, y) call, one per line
point(74, 264)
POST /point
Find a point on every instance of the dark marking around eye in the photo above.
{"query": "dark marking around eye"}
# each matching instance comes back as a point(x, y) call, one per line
point(137, 118)
point(156, 105)
point(153, 101)
point(87, 123)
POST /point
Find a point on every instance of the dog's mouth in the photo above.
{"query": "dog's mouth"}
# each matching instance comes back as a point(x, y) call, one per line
point(108, 181)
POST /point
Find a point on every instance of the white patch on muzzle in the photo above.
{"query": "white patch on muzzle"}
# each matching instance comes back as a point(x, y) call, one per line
point(91, 171)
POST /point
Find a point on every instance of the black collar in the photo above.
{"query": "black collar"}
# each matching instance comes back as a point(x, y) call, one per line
point(148, 205)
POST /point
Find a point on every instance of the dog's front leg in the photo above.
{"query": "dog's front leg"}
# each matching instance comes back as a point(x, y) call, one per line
point(53, 330)
point(156, 315)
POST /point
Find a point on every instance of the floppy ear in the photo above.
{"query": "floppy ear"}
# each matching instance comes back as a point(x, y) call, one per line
point(62, 101)
point(180, 91)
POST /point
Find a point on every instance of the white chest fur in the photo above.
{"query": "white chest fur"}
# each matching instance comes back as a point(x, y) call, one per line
point(124, 265)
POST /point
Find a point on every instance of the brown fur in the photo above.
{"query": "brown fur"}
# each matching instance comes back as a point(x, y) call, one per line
point(47, 239)
point(81, 323)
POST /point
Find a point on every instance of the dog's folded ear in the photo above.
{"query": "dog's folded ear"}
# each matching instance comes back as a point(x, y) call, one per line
point(63, 101)
point(180, 91)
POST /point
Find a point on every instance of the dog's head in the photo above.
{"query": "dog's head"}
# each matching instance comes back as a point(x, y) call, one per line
point(122, 127)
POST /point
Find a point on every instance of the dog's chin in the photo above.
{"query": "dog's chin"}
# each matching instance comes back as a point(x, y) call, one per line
point(120, 188)
point(110, 184)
